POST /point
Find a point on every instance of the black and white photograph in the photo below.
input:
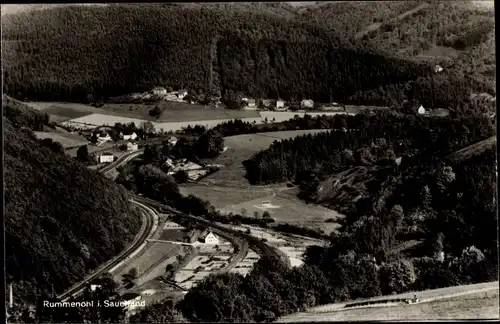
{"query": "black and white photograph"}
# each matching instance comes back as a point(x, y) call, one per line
point(250, 162)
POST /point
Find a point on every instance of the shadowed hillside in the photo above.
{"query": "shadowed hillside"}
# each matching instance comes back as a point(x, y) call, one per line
point(61, 220)
point(259, 50)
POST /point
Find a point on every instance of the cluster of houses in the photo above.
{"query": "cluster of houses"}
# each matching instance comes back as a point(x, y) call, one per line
point(194, 171)
point(171, 96)
point(276, 105)
point(127, 141)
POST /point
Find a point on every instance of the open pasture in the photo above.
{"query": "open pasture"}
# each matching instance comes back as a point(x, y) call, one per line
point(292, 211)
point(104, 118)
point(222, 196)
point(243, 147)
point(180, 111)
point(66, 139)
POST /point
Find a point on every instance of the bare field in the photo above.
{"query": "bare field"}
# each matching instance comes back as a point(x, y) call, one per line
point(66, 139)
point(460, 302)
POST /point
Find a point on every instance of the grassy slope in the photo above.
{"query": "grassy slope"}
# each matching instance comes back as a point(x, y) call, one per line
point(483, 304)
point(62, 220)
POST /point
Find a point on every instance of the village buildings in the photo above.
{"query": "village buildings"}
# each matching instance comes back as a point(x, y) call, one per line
point(128, 136)
point(159, 91)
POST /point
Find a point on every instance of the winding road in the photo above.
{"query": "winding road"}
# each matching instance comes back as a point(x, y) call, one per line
point(149, 223)
point(120, 161)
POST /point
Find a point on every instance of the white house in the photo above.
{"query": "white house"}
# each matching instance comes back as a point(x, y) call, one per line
point(94, 287)
point(421, 110)
point(105, 158)
point(132, 146)
point(209, 238)
point(250, 104)
point(182, 93)
point(103, 137)
point(307, 104)
point(129, 137)
point(438, 69)
point(160, 91)
point(172, 140)
point(280, 105)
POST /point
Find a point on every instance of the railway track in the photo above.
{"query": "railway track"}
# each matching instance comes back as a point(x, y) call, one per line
point(253, 242)
point(146, 229)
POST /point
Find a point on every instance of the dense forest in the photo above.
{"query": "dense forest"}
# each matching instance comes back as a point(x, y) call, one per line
point(253, 51)
point(49, 245)
point(352, 142)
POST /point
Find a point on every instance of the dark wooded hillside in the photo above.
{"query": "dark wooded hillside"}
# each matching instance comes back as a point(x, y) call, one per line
point(61, 219)
point(118, 49)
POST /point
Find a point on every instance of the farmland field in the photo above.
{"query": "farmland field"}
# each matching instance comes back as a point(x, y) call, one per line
point(66, 139)
point(229, 191)
point(105, 118)
point(179, 111)
point(62, 111)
